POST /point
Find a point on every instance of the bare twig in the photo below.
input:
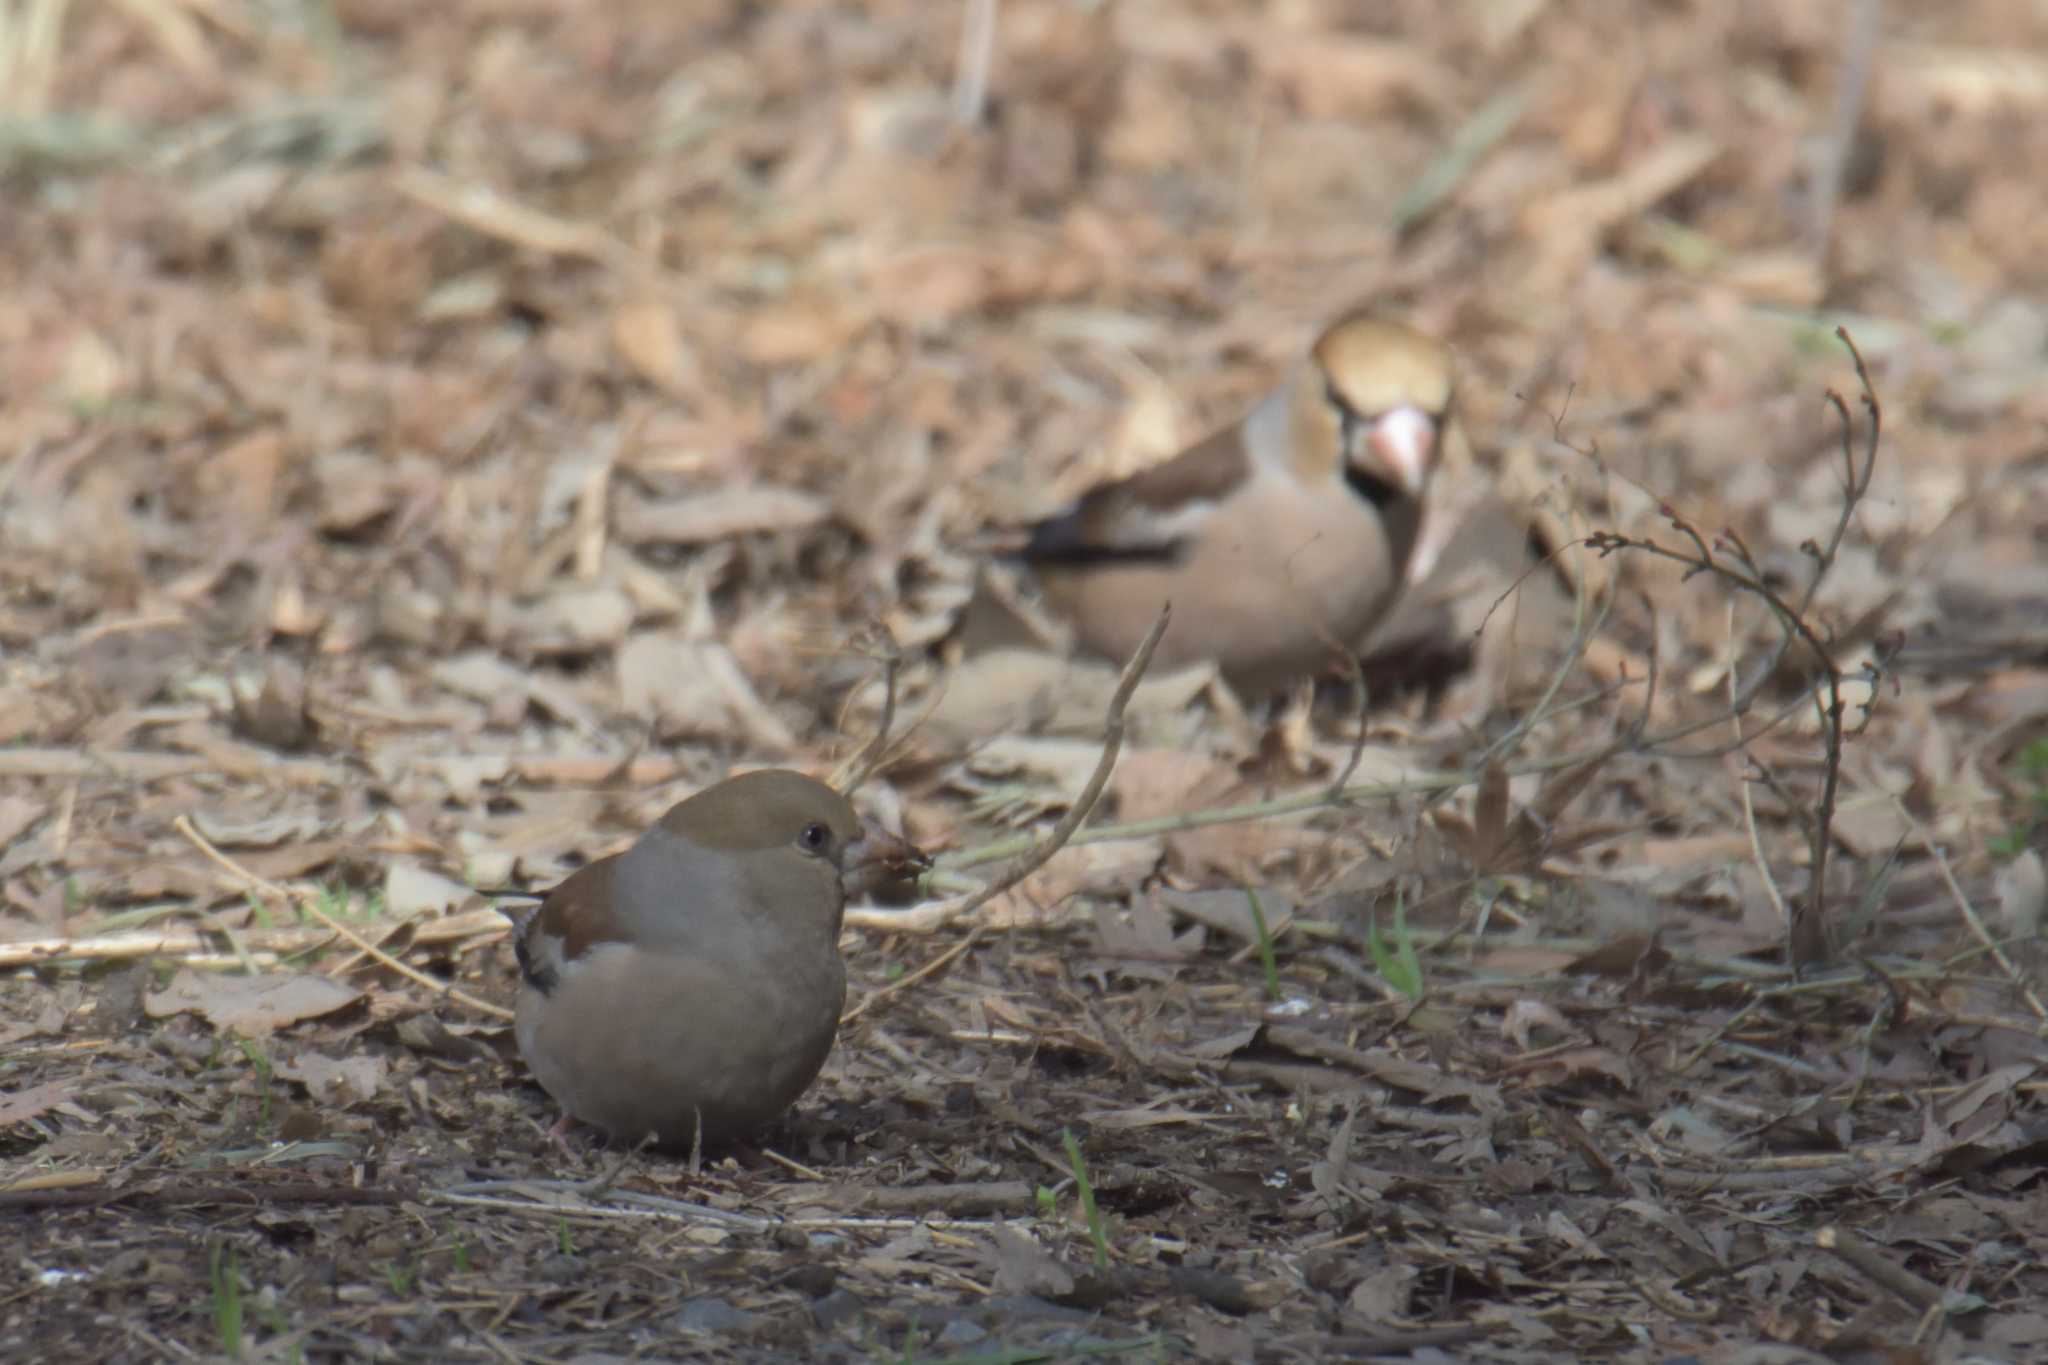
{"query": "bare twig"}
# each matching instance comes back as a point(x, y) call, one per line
point(1735, 566)
point(1300, 803)
point(1041, 852)
point(928, 970)
point(1546, 705)
point(1969, 913)
point(189, 946)
point(1756, 846)
point(309, 902)
point(1874, 1264)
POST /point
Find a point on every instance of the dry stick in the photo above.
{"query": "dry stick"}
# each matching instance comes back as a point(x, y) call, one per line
point(1635, 735)
point(550, 1198)
point(308, 901)
point(1298, 804)
point(185, 945)
point(1756, 844)
point(1809, 932)
point(67, 809)
point(134, 765)
point(936, 965)
point(1546, 705)
point(1921, 1294)
point(1969, 912)
point(1040, 853)
point(477, 206)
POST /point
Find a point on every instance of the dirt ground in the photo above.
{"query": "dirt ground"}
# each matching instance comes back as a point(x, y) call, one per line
point(435, 438)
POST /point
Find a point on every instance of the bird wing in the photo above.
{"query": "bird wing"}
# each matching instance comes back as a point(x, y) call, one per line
point(1150, 514)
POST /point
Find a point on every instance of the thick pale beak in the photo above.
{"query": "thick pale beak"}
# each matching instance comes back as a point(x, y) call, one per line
point(1403, 441)
point(882, 864)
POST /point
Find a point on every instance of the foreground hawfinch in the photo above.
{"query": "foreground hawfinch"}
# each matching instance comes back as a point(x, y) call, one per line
point(1280, 540)
point(691, 986)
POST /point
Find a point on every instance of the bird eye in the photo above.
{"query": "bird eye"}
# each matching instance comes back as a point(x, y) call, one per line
point(816, 838)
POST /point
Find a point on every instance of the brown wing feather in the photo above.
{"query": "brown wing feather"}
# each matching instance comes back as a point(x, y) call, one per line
point(577, 914)
point(1123, 519)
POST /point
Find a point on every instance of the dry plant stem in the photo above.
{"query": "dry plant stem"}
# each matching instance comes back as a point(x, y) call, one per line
point(496, 215)
point(1301, 803)
point(1546, 705)
point(67, 810)
point(794, 1167)
point(1923, 1295)
point(1744, 575)
point(186, 946)
point(932, 968)
point(123, 765)
point(1037, 855)
point(1970, 915)
point(1729, 559)
point(1364, 695)
point(307, 901)
point(1756, 846)
point(862, 765)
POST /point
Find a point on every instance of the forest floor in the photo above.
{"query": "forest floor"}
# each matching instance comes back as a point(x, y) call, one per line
point(436, 438)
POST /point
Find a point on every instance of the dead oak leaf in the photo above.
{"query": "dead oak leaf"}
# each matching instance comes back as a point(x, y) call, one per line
point(249, 1005)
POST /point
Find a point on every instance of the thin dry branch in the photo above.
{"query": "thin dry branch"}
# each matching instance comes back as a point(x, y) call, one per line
point(926, 918)
point(1970, 916)
point(1728, 558)
point(1756, 843)
point(924, 973)
point(188, 946)
point(1921, 1295)
point(310, 902)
